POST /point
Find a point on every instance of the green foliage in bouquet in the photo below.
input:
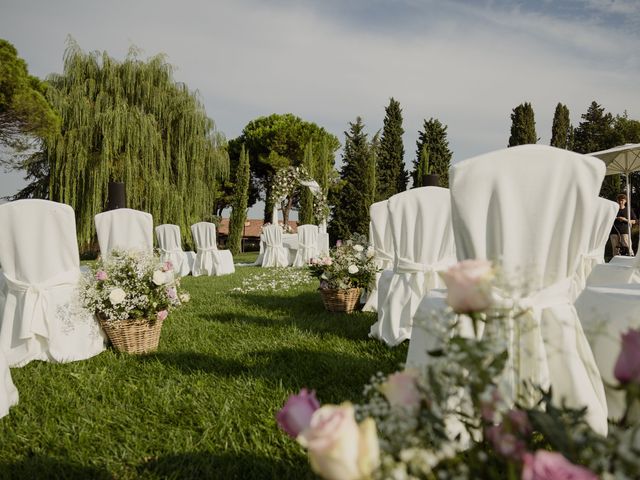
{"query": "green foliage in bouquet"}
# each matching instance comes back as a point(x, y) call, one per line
point(128, 285)
point(351, 264)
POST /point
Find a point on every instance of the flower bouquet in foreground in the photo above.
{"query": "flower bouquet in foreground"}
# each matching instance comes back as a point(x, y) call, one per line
point(348, 269)
point(132, 293)
point(457, 418)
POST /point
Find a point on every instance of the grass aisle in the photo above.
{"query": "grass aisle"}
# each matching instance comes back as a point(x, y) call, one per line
point(202, 406)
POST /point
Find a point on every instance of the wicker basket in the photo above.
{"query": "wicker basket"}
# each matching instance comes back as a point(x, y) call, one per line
point(344, 301)
point(139, 335)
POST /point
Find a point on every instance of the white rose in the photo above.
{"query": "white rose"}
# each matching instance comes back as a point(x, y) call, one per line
point(159, 277)
point(116, 296)
point(353, 269)
point(358, 248)
point(469, 286)
point(371, 252)
point(339, 448)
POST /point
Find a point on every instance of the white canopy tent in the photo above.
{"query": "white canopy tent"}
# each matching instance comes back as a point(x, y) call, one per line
point(623, 160)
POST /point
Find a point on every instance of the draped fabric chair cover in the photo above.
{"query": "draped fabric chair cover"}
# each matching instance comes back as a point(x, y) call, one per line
point(420, 221)
point(40, 314)
point(170, 245)
point(209, 260)
point(626, 260)
point(382, 242)
point(618, 271)
point(307, 245)
point(8, 391)
point(603, 217)
point(606, 313)
point(531, 208)
point(124, 229)
point(275, 255)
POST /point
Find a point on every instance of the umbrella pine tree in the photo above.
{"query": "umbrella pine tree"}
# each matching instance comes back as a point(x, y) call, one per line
point(130, 121)
point(239, 203)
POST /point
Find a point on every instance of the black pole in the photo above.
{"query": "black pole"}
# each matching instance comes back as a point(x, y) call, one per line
point(431, 180)
point(117, 197)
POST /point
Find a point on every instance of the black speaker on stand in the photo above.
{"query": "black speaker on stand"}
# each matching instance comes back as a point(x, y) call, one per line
point(431, 180)
point(116, 197)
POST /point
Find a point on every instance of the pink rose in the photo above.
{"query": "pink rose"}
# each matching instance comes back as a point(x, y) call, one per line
point(296, 414)
point(468, 286)
point(545, 465)
point(101, 275)
point(162, 314)
point(519, 422)
point(167, 266)
point(172, 293)
point(401, 390)
point(504, 443)
point(627, 367)
point(339, 448)
point(338, 243)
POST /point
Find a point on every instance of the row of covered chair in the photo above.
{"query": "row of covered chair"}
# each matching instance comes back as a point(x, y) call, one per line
point(535, 211)
point(125, 228)
point(305, 245)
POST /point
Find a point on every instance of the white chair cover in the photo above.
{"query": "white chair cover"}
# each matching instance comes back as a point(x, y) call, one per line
point(606, 313)
point(124, 229)
point(40, 314)
point(530, 208)
point(603, 217)
point(423, 243)
point(209, 260)
point(382, 242)
point(307, 245)
point(170, 245)
point(8, 391)
point(618, 271)
point(275, 255)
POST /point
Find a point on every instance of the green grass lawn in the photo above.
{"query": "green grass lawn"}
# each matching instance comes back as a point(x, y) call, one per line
point(203, 405)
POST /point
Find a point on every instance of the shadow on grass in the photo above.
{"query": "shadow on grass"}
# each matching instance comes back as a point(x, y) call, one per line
point(198, 465)
point(292, 368)
point(41, 467)
point(305, 311)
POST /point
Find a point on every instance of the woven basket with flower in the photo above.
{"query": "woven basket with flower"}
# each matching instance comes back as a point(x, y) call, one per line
point(132, 294)
point(344, 273)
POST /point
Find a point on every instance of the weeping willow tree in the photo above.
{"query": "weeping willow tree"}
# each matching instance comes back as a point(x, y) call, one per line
point(131, 122)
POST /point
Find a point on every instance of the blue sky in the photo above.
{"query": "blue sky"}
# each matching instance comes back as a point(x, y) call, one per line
point(466, 63)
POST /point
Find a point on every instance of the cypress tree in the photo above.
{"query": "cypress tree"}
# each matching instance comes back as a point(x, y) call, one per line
point(561, 130)
point(523, 125)
point(305, 213)
point(434, 137)
point(351, 203)
point(239, 203)
point(130, 121)
point(391, 175)
point(371, 179)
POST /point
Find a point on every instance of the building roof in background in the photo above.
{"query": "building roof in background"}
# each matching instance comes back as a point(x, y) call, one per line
point(253, 227)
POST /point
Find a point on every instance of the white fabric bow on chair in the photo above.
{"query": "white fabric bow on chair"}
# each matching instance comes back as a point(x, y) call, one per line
point(40, 315)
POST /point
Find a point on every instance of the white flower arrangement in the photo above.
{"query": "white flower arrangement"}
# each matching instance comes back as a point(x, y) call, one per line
point(130, 285)
point(349, 266)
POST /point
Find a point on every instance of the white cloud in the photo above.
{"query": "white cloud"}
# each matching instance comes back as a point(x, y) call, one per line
point(467, 65)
